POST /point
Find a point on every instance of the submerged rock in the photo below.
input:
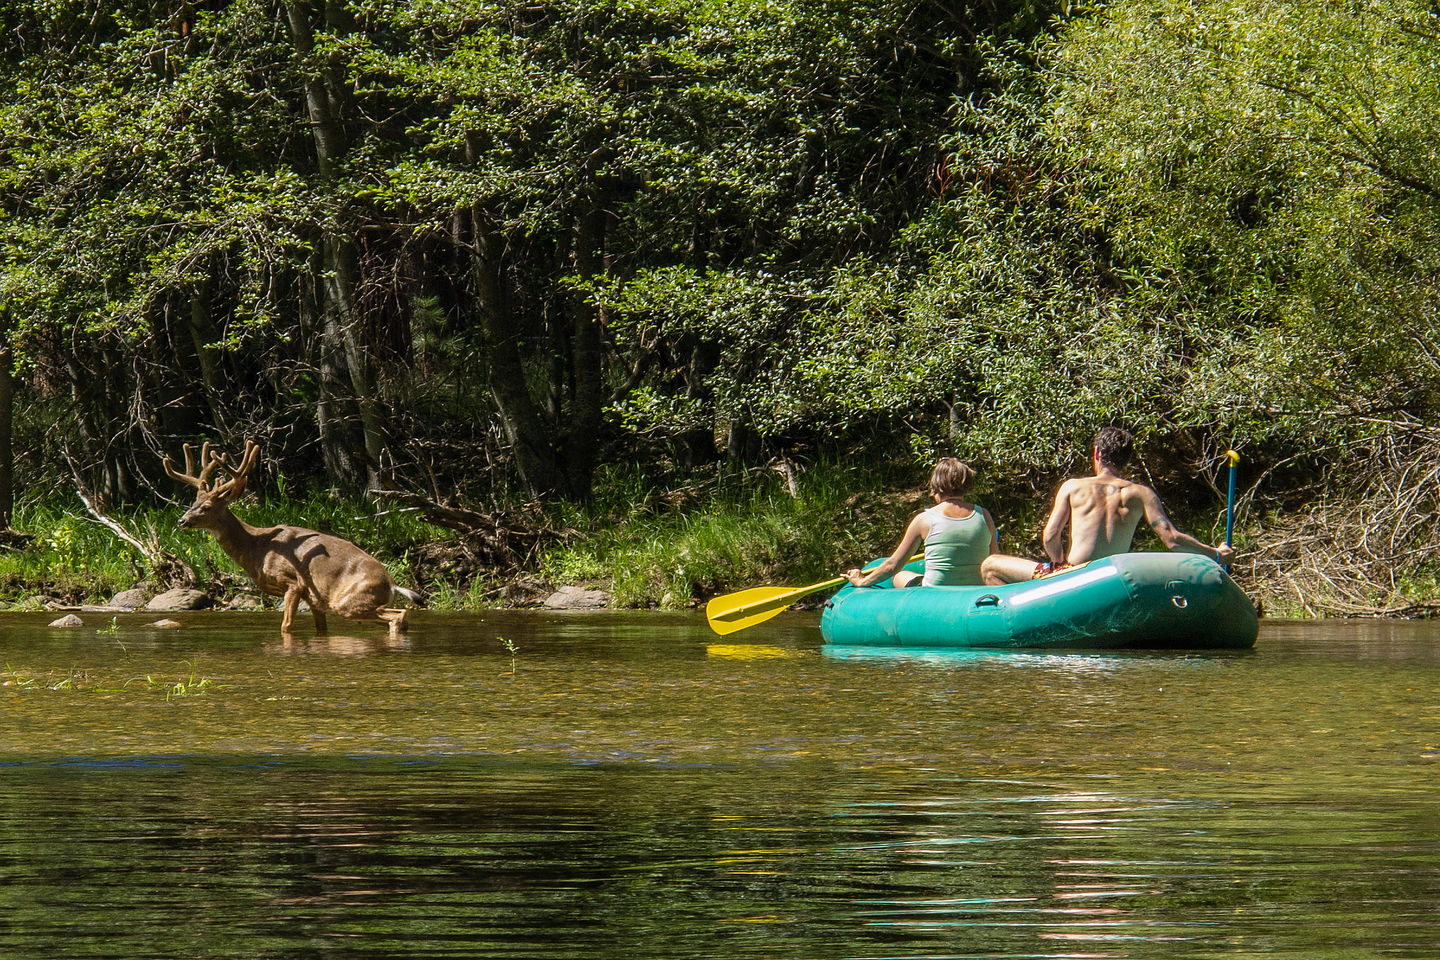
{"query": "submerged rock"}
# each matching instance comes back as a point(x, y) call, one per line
point(164, 624)
point(69, 620)
point(245, 601)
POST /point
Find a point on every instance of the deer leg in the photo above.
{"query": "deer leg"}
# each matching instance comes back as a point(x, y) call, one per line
point(292, 604)
point(321, 627)
point(396, 617)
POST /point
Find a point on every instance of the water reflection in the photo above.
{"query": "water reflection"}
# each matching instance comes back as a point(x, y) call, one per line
point(1048, 660)
point(337, 645)
point(750, 651)
point(623, 786)
point(930, 655)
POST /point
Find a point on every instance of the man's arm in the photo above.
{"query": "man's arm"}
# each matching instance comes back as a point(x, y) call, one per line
point(1055, 527)
point(1171, 536)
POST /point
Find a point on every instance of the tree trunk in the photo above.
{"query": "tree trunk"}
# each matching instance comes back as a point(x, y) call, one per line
point(343, 330)
point(322, 108)
point(7, 452)
point(95, 387)
point(743, 445)
point(342, 337)
point(587, 353)
point(334, 431)
point(524, 427)
point(696, 446)
point(201, 327)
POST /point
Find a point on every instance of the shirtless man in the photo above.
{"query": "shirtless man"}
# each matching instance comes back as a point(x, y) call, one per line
point(1102, 512)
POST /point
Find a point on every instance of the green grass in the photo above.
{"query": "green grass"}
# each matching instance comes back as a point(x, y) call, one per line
point(649, 540)
point(449, 596)
point(73, 680)
point(77, 559)
point(743, 531)
point(72, 556)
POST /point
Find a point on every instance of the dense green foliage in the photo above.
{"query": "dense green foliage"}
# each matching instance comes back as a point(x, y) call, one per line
point(484, 249)
point(351, 228)
point(1283, 194)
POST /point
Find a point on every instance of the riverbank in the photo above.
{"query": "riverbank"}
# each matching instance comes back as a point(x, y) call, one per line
point(644, 542)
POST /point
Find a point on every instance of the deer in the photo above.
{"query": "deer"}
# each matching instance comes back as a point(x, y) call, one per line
point(329, 573)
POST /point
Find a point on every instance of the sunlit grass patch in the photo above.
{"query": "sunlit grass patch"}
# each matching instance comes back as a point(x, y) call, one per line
point(667, 540)
point(78, 559)
point(657, 552)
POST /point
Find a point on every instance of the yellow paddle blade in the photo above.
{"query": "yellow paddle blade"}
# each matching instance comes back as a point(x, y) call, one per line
point(736, 611)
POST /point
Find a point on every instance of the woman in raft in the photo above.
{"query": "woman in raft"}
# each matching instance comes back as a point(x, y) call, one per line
point(958, 536)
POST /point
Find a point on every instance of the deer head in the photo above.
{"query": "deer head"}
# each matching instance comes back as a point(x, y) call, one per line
point(212, 500)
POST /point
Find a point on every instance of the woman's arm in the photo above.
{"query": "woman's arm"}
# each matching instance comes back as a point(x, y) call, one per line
point(994, 534)
point(916, 532)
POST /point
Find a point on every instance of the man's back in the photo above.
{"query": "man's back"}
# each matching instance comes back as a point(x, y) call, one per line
point(1103, 513)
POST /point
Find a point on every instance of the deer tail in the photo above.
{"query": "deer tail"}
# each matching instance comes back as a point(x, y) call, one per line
point(414, 598)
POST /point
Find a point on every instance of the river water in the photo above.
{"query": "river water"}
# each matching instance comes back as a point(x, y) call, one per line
point(628, 785)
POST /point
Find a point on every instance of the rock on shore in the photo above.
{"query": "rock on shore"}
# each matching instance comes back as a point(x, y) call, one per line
point(577, 598)
point(181, 598)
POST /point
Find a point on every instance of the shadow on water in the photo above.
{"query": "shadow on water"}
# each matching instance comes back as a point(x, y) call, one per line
point(627, 784)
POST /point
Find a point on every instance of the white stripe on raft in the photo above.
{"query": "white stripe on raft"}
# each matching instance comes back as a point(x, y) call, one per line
point(1063, 584)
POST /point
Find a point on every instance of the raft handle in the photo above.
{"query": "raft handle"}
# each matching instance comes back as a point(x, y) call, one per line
point(1176, 596)
point(989, 600)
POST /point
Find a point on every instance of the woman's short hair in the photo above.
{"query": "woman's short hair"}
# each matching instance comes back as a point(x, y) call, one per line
point(951, 478)
point(1114, 447)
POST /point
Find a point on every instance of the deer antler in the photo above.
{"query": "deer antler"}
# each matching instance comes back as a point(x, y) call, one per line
point(232, 488)
point(208, 462)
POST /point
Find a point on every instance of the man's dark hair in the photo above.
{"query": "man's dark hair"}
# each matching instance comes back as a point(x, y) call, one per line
point(1114, 447)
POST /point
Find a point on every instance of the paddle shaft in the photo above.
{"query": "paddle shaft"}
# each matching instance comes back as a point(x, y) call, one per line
point(1230, 502)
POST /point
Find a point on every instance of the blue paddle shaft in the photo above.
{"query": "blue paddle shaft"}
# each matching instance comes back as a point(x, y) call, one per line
point(1230, 503)
point(1230, 512)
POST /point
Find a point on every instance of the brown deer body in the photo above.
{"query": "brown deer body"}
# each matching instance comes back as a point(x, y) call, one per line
point(332, 575)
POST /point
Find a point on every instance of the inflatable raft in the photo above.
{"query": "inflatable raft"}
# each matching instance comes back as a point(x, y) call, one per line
point(1128, 601)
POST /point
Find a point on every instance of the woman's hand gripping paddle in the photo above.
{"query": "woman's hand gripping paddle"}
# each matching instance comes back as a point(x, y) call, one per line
point(731, 612)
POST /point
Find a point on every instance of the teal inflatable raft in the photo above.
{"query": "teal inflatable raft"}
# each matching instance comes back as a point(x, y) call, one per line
point(1129, 601)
